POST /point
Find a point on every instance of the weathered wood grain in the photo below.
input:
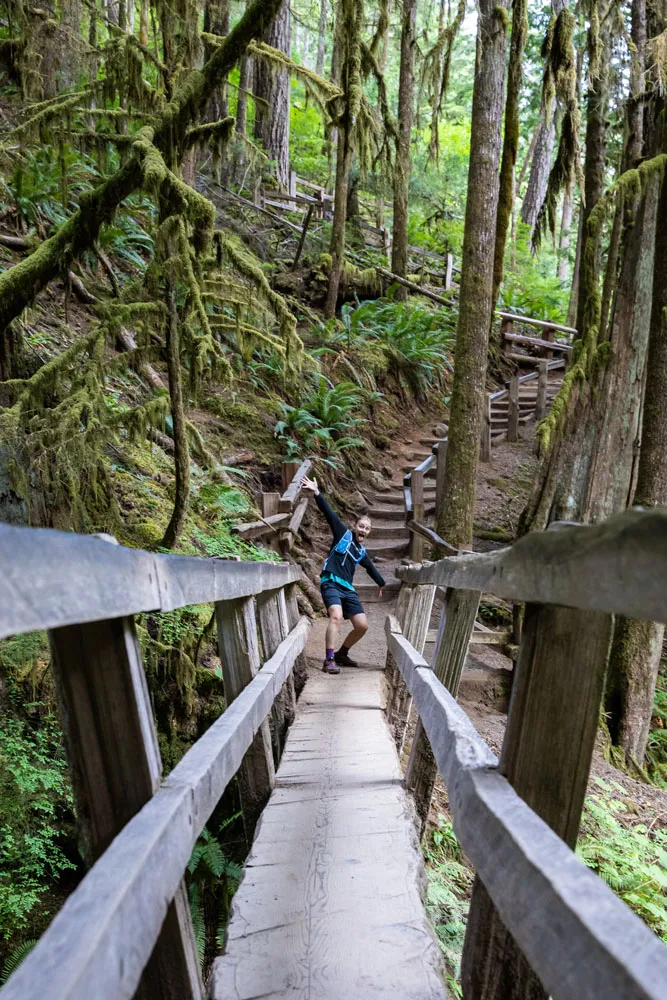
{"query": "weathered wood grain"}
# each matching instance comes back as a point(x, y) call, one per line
point(329, 906)
point(270, 523)
point(581, 940)
point(541, 323)
point(240, 660)
point(273, 627)
point(546, 757)
point(293, 487)
point(115, 764)
point(618, 566)
point(513, 412)
point(432, 536)
point(555, 345)
point(100, 941)
point(55, 578)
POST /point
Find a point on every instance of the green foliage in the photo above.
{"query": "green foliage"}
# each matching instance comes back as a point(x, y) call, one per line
point(34, 790)
point(447, 896)
point(212, 881)
point(36, 188)
point(656, 748)
point(15, 958)
point(531, 286)
point(323, 422)
point(629, 856)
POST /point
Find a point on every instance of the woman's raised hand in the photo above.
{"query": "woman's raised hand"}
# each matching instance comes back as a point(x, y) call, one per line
point(310, 484)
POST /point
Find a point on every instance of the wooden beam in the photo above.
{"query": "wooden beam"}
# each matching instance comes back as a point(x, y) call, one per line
point(60, 578)
point(541, 401)
point(616, 566)
point(541, 323)
point(416, 545)
point(115, 764)
point(513, 411)
point(546, 757)
point(581, 940)
point(119, 907)
point(555, 345)
point(431, 536)
point(270, 503)
point(273, 628)
point(293, 473)
point(485, 446)
point(239, 656)
point(267, 526)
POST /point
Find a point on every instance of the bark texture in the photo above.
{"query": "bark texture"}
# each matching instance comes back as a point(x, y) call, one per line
point(539, 171)
point(181, 449)
point(272, 87)
point(510, 140)
point(455, 513)
point(399, 250)
point(321, 38)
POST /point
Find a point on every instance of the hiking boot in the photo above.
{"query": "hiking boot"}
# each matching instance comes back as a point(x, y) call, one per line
point(330, 667)
point(343, 658)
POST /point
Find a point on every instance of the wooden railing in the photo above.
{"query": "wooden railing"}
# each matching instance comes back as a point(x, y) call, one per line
point(282, 514)
point(127, 925)
point(517, 820)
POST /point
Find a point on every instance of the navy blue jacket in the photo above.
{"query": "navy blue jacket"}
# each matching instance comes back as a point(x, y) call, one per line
point(345, 553)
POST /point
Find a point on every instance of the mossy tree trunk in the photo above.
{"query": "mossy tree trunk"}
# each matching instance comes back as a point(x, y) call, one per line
point(539, 172)
point(595, 164)
point(399, 250)
point(510, 141)
point(21, 283)
point(637, 645)
point(321, 38)
point(348, 30)
point(272, 89)
point(454, 516)
point(181, 449)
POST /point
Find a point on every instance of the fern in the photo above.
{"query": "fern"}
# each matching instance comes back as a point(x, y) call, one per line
point(14, 959)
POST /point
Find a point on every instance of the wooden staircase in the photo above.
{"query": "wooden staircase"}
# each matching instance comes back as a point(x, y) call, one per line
point(527, 400)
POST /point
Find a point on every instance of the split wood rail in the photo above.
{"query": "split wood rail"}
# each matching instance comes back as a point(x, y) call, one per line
point(126, 929)
point(282, 514)
point(538, 914)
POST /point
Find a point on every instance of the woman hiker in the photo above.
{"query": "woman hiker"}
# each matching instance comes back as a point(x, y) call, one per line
point(340, 598)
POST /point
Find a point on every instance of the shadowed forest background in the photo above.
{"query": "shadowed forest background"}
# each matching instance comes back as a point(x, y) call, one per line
point(172, 328)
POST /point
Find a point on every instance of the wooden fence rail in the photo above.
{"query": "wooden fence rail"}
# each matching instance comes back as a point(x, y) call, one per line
point(539, 916)
point(126, 929)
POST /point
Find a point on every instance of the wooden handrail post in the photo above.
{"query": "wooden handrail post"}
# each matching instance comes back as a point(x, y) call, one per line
point(550, 335)
point(413, 611)
point(485, 444)
point(448, 272)
point(273, 627)
point(456, 625)
point(300, 665)
point(506, 326)
point(115, 764)
point(441, 465)
point(269, 504)
point(239, 657)
point(419, 514)
point(546, 756)
point(513, 410)
point(541, 402)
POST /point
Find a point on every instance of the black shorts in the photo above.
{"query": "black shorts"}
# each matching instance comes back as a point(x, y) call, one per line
point(333, 593)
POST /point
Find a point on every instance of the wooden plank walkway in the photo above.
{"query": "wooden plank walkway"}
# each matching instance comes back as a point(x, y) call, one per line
point(330, 906)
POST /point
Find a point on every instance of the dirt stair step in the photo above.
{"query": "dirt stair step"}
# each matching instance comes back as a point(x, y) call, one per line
point(397, 531)
point(387, 548)
point(385, 513)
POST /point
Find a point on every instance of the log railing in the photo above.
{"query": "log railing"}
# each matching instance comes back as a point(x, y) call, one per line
point(126, 929)
point(282, 514)
point(517, 820)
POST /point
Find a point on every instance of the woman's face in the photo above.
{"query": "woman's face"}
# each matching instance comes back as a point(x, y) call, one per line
point(362, 528)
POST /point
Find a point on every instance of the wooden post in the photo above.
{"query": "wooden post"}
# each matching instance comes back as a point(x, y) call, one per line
point(269, 504)
point(485, 445)
point(506, 326)
point(288, 472)
point(304, 231)
point(546, 756)
point(441, 465)
point(548, 334)
point(456, 625)
point(300, 672)
point(513, 411)
point(448, 272)
point(413, 610)
point(115, 764)
point(419, 515)
point(273, 627)
point(541, 402)
point(239, 656)
point(292, 183)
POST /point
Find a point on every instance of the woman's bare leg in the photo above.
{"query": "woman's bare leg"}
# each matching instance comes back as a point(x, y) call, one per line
point(335, 612)
point(359, 625)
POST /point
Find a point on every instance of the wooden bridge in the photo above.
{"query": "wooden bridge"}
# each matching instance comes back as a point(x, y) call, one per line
point(329, 906)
